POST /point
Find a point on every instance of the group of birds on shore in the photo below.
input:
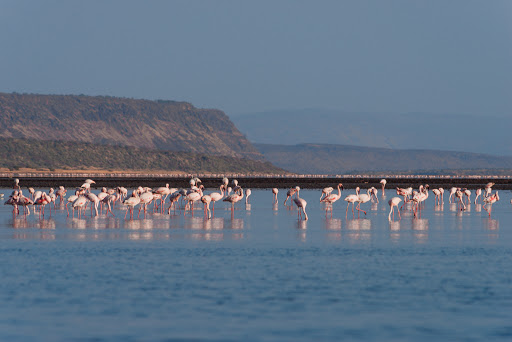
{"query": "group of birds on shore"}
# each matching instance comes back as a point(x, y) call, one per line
point(141, 197)
point(144, 196)
point(461, 196)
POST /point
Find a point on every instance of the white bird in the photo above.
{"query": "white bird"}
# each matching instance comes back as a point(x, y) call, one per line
point(489, 201)
point(353, 198)
point(331, 198)
point(79, 204)
point(275, 191)
point(394, 202)
point(383, 183)
point(363, 198)
point(301, 204)
point(131, 203)
point(453, 190)
point(247, 194)
point(437, 198)
point(478, 192)
point(206, 199)
point(216, 196)
point(234, 198)
point(326, 192)
point(289, 194)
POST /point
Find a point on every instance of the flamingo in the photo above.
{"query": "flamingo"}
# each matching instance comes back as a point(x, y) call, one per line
point(383, 183)
point(488, 189)
point(467, 193)
point(31, 191)
point(326, 192)
point(373, 194)
point(275, 191)
point(330, 199)
point(79, 204)
point(453, 190)
point(301, 204)
point(206, 199)
point(145, 199)
point(86, 187)
point(24, 202)
point(437, 198)
point(459, 194)
point(191, 198)
point(13, 200)
point(233, 199)
point(94, 200)
point(247, 194)
point(42, 200)
point(289, 194)
point(131, 203)
point(478, 192)
point(363, 198)
point(61, 193)
point(442, 194)
point(490, 201)
point(216, 196)
point(351, 199)
point(405, 193)
point(164, 191)
point(394, 202)
point(173, 199)
point(107, 200)
point(71, 199)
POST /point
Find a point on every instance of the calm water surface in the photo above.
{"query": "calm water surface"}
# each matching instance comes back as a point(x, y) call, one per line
point(262, 275)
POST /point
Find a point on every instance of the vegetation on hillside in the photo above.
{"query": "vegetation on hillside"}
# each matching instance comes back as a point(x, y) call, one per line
point(44, 154)
point(162, 125)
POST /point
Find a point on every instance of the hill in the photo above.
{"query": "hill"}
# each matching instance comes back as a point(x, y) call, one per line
point(385, 130)
point(343, 159)
point(162, 125)
point(45, 154)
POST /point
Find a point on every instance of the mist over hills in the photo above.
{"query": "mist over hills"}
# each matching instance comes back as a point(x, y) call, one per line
point(159, 125)
point(383, 130)
point(344, 159)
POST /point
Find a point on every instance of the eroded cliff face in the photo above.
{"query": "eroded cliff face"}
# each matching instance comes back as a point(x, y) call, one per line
point(162, 125)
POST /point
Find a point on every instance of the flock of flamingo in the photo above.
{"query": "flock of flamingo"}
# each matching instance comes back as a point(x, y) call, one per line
point(144, 196)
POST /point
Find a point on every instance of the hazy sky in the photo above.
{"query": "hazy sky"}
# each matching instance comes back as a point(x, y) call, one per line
point(248, 56)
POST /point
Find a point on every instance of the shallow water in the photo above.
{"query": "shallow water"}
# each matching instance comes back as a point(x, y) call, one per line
point(262, 275)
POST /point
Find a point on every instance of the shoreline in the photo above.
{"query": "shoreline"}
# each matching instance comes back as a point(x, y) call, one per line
point(42, 180)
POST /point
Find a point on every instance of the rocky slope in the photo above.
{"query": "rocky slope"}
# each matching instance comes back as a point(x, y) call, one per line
point(162, 125)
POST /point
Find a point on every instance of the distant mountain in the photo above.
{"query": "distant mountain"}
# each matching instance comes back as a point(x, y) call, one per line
point(46, 154)
point(162, 125)
point(343, 159)
point(489, 135)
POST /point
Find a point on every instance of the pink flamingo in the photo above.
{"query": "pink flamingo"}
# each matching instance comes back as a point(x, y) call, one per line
point(131, 203)
point(206, 199)
point(383, 183)
point(275, 191)
point(301, 204)
point(330, 199)
point(478, 192)
point(489, 201)
point(326, 192)
point(394, 202)
point(353, 198)
point(289, 194)
point(234, 198)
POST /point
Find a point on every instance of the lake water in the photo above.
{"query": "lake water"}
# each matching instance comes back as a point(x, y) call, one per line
point(262, 275)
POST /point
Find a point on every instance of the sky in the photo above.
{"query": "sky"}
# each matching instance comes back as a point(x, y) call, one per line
point(403, 56)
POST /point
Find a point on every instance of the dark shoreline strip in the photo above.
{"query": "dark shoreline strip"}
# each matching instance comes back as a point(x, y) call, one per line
point(502, 183)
